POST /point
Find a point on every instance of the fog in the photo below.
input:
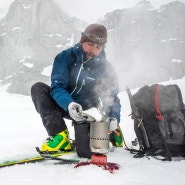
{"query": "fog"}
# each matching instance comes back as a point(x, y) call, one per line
point(90, 11)
point(145, 44)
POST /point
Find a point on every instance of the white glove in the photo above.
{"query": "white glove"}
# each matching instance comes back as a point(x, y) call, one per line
point(75, 111)
point(113, 123)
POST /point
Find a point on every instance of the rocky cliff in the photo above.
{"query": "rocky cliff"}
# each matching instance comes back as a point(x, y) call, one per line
point(145, 45)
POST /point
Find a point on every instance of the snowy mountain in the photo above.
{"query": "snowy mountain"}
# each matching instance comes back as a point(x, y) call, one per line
point(31, 34)
point(21, 130)
point(146, 45)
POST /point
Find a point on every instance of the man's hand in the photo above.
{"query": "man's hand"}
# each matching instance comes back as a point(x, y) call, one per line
point(75, 111)
point(113, 123)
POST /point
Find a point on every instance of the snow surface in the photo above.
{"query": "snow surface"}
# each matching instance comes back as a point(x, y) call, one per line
point(21, 130)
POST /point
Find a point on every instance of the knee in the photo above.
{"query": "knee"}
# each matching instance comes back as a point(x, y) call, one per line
point(38, 88)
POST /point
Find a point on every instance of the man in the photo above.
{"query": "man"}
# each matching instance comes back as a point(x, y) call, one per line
point(81, 78)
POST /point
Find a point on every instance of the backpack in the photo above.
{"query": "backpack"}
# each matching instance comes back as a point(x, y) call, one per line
point(159, 120)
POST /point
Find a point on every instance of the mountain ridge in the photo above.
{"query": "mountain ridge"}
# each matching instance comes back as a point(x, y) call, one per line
point(145, 45)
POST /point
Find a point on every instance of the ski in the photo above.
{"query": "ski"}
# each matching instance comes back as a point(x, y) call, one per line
point(21, 161)
point(57, 156)
point(96, 159)
point(43, 157)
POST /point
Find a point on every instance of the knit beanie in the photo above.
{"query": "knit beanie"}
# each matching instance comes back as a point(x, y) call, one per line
point(98, 31)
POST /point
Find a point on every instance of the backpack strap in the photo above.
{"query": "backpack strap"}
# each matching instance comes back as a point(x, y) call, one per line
point(162, 123)
point(159, 116)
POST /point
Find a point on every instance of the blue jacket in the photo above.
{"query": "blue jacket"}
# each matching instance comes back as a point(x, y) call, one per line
point(74, 78)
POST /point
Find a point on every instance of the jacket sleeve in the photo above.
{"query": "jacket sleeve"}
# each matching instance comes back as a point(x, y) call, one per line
point(109, 93)
point(60, 79)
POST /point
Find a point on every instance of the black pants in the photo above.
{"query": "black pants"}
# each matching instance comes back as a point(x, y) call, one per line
point(53, 118)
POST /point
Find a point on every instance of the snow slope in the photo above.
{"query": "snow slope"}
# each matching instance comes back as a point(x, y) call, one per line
point(21, 130)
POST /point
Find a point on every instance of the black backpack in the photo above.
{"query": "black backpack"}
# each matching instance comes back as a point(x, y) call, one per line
point(159, 120)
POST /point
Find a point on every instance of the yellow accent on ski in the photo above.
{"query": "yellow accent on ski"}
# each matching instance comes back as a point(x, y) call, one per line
point(31, 159)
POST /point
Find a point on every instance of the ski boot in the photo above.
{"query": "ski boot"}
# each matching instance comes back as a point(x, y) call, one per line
point(60, 141)
point(116, 137)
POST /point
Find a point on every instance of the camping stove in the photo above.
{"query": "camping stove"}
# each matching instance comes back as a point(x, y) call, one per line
point(99, 137)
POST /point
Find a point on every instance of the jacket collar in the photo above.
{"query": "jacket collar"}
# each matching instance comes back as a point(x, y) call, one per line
point(81, 56)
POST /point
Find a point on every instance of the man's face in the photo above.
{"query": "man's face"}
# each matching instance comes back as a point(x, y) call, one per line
point(91, 49)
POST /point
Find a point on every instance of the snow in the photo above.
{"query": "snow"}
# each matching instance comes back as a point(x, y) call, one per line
point(58, 46)
point(26, 6)
point(48, 35)
point(16, 29)
point(3, 34)
point(47, 71)
point(175, 60)
point(23, 60)
point(21, 130)
point(29, 65)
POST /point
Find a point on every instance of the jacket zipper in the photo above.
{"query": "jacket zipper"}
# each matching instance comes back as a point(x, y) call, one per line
point(83, 83)
point(80, 70)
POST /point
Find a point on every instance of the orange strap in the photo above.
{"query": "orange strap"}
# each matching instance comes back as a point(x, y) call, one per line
point(159, 116)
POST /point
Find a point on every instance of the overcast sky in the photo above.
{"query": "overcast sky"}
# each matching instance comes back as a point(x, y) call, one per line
point(90, 10)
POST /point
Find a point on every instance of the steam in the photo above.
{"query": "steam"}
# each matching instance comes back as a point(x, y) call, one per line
point(105, 89)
